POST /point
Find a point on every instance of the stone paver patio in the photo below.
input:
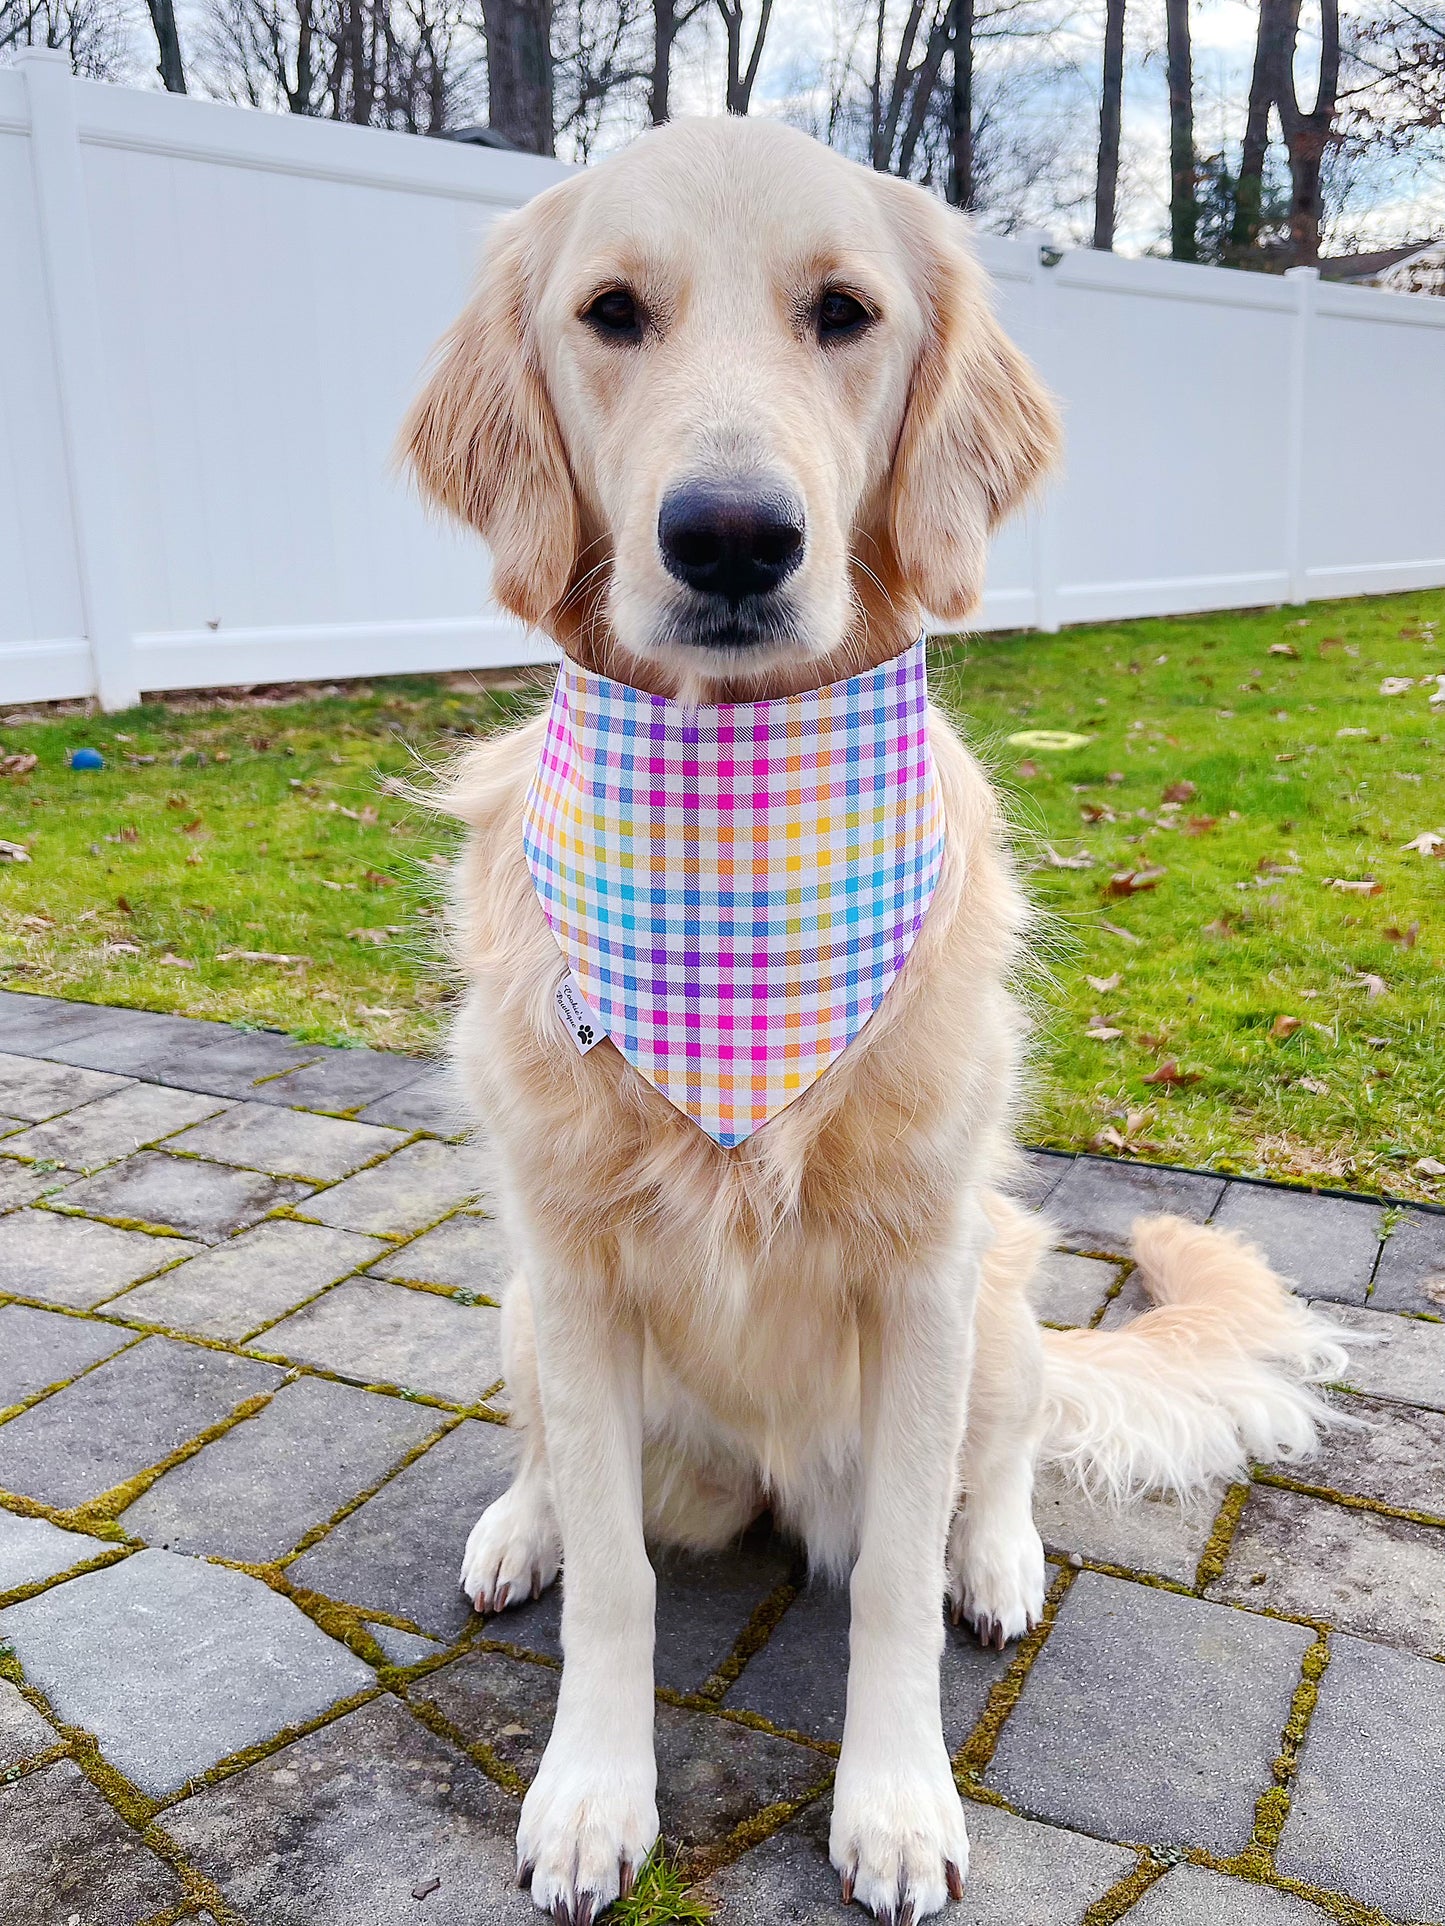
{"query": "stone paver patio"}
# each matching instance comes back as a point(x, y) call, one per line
point(250, 1405)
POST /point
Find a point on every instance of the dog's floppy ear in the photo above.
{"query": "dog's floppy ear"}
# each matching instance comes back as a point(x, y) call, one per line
point(980, 430)
point(482, 438)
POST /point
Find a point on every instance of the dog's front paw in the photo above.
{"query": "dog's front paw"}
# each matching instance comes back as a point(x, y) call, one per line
point(996, 1576)
point(513, 1551)
point(898, 1839)
point(587, 1826)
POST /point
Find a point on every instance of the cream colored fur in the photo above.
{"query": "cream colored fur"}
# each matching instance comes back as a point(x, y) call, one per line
point(831, 1320)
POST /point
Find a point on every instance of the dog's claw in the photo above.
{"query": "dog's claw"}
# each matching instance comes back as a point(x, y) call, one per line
point(848, 1878)
point(525, 1869)
point(954, 1879)
point(503, 1597)
point(626, 1879)
point(579, 1910)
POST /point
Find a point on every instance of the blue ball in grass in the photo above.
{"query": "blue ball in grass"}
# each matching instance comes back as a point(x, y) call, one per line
point(86, 759)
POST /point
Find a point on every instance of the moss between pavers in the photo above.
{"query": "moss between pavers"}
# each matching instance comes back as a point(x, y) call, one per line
point(1272, 1808)
point(250, 1755)
point(762, 1623)
point(480, 1754)
point(975, 1755)
point(317, 1532)
point(1216, 1549)
point(701, 1862)
point(1352, 1501)
point(1113, 1904)
point(739, 1715)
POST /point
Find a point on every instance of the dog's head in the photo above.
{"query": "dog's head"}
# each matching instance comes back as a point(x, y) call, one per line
point(730, 410)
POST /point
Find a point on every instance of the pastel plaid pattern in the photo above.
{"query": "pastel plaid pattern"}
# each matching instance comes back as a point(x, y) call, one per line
point(736, 886)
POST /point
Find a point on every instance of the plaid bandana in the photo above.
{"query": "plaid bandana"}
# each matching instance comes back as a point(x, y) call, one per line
point(735, 886)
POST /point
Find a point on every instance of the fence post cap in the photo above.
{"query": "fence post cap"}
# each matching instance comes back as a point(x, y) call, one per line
point(43, 57)
point(1302, 274)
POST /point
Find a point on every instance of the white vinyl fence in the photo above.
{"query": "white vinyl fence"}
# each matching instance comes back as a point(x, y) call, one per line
point(211, 320)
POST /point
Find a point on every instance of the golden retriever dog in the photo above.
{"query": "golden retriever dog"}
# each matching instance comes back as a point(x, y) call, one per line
point(730, 325)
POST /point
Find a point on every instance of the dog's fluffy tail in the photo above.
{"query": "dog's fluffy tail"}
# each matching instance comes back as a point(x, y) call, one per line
point(1217, 1372)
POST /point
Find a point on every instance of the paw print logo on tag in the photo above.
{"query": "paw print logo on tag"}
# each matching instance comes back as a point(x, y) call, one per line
point(586, 1032)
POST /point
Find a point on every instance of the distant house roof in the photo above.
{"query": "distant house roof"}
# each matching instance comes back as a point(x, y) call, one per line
point(1368, 267)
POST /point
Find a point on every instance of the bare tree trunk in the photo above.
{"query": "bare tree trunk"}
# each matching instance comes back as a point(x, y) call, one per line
point(1183, 204)
point(168, 45)
point(960, 104)
point(741, 78)
point(359, 63)
point(1263, 87)
point(940, 41)
point(875, 91)
point(664, 32)
point(1307, 135)
point(519, 72)
point(1111, 111)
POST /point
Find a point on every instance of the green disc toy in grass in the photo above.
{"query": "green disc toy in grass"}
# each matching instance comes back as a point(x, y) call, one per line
point(1048, 739)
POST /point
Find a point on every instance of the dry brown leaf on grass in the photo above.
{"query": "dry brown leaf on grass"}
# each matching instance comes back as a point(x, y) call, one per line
point(120, 949)
point(1180, 792)
point(1396, 684)
point(1313, 1085)
point(1363, 886)
point(173, 962)
point(1170, 1073)
point(1101, 1032)
point(13, 852)
point(1104, 984)
point(1053, 860)
point(1129, 882)
point(1430, 842)
point(1285, 1026)
point(18, 763)
point(1117, 929)
point(1284, 648)
point(1372, 985)
point(1098, 813)
point(1406, 938)
point(1130, 1139)
point(37, 922)
point(1430, 1167)
point(1200, 825)
point(1154, 1040)
point(370, 936)
point(278, 957)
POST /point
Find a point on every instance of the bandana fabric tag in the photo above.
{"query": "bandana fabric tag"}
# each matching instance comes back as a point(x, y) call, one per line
point(582, 1026)
point(734, 886)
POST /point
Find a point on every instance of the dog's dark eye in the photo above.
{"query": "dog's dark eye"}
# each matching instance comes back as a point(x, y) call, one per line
point(840, 315)
point(615, 313)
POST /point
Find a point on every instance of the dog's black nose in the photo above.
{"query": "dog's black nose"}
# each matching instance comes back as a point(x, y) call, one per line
point(730, 540)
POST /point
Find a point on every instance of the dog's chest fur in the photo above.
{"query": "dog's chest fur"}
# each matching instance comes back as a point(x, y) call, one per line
point(748, 1265)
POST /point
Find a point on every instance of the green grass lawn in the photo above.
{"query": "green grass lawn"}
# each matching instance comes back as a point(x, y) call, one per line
point(1241, 959)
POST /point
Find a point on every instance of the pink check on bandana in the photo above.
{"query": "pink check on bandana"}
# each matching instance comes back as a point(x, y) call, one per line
point(735, 886)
